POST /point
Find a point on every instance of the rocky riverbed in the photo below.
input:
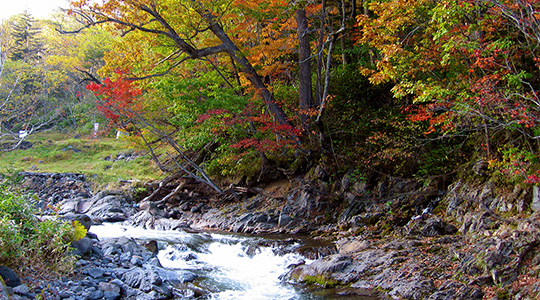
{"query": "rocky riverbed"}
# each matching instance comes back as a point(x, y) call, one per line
point(397, 239)
point(113, 269)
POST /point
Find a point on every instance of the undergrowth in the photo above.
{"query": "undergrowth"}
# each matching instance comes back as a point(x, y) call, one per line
point(31, 245)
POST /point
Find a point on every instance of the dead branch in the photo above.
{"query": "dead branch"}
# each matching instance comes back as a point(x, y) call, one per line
point(162, 184)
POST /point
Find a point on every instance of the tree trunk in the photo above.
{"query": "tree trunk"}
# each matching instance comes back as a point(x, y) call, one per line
point(320, 46)
point(305, 97)
point(247, 68)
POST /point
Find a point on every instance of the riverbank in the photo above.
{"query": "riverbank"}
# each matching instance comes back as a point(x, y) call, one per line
point(111, 269)
point(474, 240)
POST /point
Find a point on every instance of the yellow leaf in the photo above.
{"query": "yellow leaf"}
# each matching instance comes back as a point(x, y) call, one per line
point(80, 230)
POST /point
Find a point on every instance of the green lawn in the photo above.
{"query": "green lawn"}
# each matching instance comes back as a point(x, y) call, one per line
point(59, 153)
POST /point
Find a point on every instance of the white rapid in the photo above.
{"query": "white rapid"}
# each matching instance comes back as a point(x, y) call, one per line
point(231, 267)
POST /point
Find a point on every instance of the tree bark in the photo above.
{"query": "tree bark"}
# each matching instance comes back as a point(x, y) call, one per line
point(320, 47)
point(246, 67)
point(305, 96)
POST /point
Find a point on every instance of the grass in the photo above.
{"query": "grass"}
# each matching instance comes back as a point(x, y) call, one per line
point(28, 244)
point(62, 153)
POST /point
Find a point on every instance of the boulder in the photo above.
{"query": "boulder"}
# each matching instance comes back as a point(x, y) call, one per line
point(322, 271)
point(535, 205)
point(85, 220)
point(9, 276)
point(82, 247)
point(109, 287)
point(125, 249)
point(352, 245)
point(111, 208)
point(21, 289)
point(151, 277)
point(107, 206)
point(146, 219)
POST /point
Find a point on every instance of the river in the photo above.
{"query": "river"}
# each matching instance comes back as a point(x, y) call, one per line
point(231, 267)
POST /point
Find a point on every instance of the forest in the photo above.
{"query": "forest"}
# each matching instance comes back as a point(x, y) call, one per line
point(251, 91)
point(400, 137)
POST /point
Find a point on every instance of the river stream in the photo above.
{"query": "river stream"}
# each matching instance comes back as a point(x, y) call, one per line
point(231, 267)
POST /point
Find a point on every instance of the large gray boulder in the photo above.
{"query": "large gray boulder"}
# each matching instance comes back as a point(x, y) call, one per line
point(148, 220)
point(106, 206)
point(154, 278)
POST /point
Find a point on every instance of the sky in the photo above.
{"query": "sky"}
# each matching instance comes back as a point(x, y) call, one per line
point(40, 9)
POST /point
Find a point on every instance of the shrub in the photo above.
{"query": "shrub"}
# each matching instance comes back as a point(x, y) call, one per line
point(30, 244)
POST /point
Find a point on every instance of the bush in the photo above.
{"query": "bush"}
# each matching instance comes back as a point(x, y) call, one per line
point(29, 244)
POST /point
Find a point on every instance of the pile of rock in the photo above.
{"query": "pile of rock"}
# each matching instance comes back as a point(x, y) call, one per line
point(111, 269)
point(53, 188)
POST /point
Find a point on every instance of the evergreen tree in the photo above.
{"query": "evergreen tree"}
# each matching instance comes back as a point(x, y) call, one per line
point(27, 45)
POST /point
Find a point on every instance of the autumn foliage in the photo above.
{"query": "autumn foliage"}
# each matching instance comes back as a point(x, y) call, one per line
point(461, 67)
point(414, 87)
point(117, 98)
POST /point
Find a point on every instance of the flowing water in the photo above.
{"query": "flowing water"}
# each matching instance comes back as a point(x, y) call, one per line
point(231, 267)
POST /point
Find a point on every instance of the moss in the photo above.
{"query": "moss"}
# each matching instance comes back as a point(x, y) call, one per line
point(320, 280)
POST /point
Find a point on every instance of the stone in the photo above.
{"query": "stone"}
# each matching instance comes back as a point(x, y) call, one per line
point(96, 251)
point(10, 277)
point(136, 261)
point(413, 290)
point(117, 282)
point(95, 272)
point(82, 247)
point(351, 245)
point(109, 287)
point(85, 220)
point(325, 266)
point(65, 294)
point(125, 256)
point(21, 289)
point(535, 204)
point(145, 278)
point(154, 261)
point(96, 295)
point(108, 295)
point(77, 289)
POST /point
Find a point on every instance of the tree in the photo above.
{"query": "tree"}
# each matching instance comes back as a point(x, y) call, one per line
point(305, 86)
point(120, 101)
point(19, 81)
point(159, 42)
point(27, 45)
point(156, 18)
point(39, 84)
point(467, 67)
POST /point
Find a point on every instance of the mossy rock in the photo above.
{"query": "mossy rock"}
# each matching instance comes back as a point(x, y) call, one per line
point(320, 280)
